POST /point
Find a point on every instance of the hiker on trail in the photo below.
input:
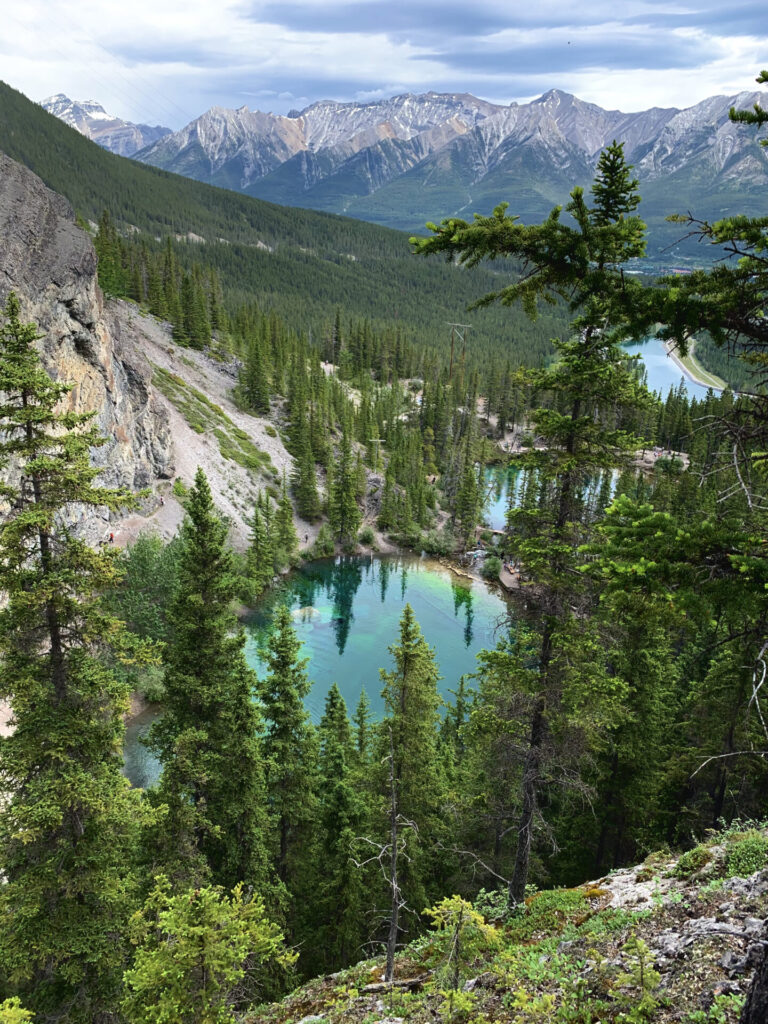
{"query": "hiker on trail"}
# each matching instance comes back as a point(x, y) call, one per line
point(111, 538)
point(162, 500)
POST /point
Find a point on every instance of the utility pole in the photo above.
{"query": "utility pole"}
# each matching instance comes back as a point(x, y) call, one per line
point(458, 331)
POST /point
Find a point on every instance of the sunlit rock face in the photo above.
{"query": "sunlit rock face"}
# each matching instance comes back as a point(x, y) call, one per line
point(51, 265)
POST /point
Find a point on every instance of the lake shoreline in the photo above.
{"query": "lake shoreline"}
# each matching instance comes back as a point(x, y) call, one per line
point(686, 371)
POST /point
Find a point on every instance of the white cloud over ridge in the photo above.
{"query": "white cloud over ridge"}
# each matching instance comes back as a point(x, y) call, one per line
point(167, 62)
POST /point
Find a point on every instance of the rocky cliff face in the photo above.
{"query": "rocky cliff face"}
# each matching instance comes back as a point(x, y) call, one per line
point(51, 265)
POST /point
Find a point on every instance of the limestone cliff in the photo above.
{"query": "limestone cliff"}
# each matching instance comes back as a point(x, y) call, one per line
point(125, 368)
point(51, 265)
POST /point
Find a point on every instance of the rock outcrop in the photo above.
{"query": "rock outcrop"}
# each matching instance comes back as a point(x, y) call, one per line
point(51, 265)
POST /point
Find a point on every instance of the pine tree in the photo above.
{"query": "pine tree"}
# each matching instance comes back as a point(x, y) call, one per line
point(112, 277)
point(68, 831)
point(594, 396)
point(412, 704)
point(305, 484)
point(469, 497)
point(286, 538)
point(253, 383)
point(361, 721)
point(339, 896)
point(344, 514)
point(388, 519)
point(216, 817)
point(288, 748)
point(260, 558)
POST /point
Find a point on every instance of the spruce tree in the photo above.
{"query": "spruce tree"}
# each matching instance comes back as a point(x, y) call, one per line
point(68, 830)
point(361, 721)
point(305, 484)
point(411, 723)
point(286, 539)
point(112, 276)
point(288, 748)
point(260, 559)
point(343, 513)
point(339, 897)
point(216, 816)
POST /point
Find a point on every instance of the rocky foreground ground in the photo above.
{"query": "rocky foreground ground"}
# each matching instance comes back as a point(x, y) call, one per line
point(676, 938)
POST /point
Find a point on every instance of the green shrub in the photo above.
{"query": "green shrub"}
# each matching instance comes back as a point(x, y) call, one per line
point(12, 1012)
point(692, 862)
point(491, 567)
point(438, 542)
point(324, 545)
point(180, 489)
point(151, 684)
point(270, 430)
point(549, 912)
point(366, 535)
point(641, 976)
point(747, 853)
point(493, 904)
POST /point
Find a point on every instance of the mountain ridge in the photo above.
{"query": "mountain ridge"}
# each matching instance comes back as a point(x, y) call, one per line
point(434, 151)
point(113, 133)
point(407, 159)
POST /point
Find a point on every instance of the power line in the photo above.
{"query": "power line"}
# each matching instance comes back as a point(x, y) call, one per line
point(459, 331)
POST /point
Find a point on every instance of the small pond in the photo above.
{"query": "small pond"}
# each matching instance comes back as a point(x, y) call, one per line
point(504, 487)
point(346, 612)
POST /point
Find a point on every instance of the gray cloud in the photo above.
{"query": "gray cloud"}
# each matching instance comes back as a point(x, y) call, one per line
point(566, 56)
point(173, 60)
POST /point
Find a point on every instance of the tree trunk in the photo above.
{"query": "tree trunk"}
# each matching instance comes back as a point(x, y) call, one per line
point(529, 790)
point(755, 1009)
point(389, 972)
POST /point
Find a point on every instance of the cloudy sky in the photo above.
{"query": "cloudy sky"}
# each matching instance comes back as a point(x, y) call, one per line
point(165, 61)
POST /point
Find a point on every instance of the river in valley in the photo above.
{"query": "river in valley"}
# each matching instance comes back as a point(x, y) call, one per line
point(346, 613)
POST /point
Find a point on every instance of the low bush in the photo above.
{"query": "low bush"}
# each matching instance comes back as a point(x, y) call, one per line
point(437, 542)
point(366, 536)
point(747, 853)
point(692, 862)
point(491, 567)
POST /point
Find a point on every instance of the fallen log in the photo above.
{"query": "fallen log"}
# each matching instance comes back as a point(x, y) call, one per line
point(407, 983)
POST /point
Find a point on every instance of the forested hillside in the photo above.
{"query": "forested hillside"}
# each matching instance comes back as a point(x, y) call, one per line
point(303, 264)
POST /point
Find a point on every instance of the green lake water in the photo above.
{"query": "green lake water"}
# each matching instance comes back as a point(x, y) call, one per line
point(346, 613)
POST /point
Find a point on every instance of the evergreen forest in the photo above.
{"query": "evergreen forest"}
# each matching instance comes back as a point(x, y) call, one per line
point(622, 710)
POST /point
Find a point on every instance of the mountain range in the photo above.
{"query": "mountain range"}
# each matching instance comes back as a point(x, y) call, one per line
point(412, 158)
point(92, 120)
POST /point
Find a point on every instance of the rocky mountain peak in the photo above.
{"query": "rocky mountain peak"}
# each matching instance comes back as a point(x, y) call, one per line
point(113, 133)
point(333, 155)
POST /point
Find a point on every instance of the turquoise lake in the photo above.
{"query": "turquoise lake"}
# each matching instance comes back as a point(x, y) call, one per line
point(346, 613)
point(663, 374)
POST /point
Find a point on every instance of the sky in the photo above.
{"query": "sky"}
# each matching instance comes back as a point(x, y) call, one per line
point(166, 61)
